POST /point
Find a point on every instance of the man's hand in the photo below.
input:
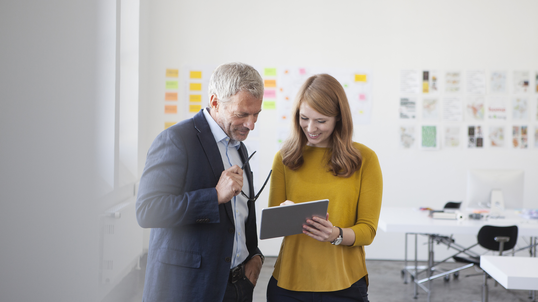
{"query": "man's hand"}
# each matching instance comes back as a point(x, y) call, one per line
point(230, 184)
point(253, 268)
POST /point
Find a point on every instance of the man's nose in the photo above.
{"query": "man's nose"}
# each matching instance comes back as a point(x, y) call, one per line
point(249, 123)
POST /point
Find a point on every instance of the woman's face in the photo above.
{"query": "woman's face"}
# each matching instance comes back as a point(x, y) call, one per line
point(317, 127)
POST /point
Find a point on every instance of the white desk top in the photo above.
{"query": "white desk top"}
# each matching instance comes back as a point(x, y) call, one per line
point(512, 272)
point(412, 220)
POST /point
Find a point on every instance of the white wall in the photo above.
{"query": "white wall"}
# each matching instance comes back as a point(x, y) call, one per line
point(50, 81)
point(383, 36)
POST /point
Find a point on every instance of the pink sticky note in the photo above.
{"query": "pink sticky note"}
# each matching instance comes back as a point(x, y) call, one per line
point(269, 93)
point(302, 71)
point(362, 97)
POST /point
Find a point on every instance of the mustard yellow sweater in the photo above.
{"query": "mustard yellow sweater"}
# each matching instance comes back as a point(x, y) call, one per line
point(305, 264)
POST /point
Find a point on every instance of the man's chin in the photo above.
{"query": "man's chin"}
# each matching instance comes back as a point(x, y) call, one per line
point(240, 136)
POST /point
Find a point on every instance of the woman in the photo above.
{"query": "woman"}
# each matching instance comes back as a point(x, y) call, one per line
point(319, 160)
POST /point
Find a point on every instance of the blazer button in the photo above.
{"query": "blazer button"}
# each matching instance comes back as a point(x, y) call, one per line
point(228, 259)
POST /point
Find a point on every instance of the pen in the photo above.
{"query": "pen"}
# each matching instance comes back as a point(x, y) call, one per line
point(246, 162)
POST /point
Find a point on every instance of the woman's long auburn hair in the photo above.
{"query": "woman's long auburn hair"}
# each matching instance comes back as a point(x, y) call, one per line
point(324, 94)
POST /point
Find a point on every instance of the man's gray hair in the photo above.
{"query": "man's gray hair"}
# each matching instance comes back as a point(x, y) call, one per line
point(229, 79)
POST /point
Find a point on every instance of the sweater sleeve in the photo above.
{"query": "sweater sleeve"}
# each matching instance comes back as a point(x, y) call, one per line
point(369, 205)
point(277, 191)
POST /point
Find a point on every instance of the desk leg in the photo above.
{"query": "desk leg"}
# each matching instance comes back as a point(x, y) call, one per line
point(416, 267)
point(405, 260)
point(532, 251)
point(430, 264)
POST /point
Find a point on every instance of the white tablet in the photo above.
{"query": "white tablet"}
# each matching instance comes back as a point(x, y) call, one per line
point(288, 220)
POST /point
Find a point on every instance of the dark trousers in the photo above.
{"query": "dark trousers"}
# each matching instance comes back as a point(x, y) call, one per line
point(357, 292)
point(239, 288)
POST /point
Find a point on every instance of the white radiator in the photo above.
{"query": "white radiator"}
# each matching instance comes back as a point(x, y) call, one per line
point(121, 243)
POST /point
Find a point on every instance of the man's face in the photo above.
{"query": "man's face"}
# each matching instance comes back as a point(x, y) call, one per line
point(238, 115)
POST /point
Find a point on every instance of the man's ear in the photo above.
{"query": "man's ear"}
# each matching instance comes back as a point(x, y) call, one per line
point(214, 102)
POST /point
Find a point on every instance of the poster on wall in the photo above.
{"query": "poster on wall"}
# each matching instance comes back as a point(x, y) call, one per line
point(430, 82)
point(498, 82)
point(496, 136)
point(429, 137)
point(453, 82)
point(519, 137)
point(497, 108)
point(476, 82)
point(408, 108)
point(520, 108)
point(475, 108)
point(452, 137)
point(409, 82)
point(406, 136)
point(475, 138)
point(521, 81)
point(452, 109)
point(430, 108)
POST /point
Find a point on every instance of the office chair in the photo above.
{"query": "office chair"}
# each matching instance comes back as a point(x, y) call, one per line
point(493, 238)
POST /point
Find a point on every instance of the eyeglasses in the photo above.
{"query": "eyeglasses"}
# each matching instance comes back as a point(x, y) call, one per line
point(264, 183)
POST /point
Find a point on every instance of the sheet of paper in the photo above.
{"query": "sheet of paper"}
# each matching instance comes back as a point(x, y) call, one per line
point(452, 109)
point(498, 81)
point(476, 82)
point(475, 108)
point(431, 108)
point(497, 108)
point(475, 137)
point(408, 108)
point(496, 136)
point(453, 81)
point(410, 81)
point(429, 137)
point(406, 136)
point(521, 81)
point(520, 137)
point(452, 137)
point(430, 82)
point(520, 108)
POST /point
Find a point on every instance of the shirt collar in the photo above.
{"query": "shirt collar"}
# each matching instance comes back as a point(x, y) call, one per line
point(218, 133)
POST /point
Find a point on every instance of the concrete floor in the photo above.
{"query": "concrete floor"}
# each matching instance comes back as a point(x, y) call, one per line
point(386, 285)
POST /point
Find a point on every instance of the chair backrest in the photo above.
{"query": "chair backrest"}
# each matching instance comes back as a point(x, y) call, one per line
point(452, 205)
point(486, 237)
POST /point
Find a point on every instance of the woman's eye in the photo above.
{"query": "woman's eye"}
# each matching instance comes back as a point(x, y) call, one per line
point(321, 122)
point(304, 118)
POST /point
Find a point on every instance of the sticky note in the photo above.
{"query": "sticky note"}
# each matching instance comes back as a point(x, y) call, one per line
point(171, 85)
point(269, 105)
point(362, 97)
point(360, 78)
point(168, 124)
point(170, 96)
point(195, 75)
point(269, 72)
point(195, 98)
point(269, 83)
point(172, 73)
point(269, 93)
point(302, 71)
point(195, 86)
point(170, 109)
point(195, 108)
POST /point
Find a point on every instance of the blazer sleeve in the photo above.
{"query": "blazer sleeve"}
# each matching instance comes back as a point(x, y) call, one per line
point(162, 197)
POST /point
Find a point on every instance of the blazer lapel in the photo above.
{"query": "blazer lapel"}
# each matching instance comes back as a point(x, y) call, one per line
point(207, 140)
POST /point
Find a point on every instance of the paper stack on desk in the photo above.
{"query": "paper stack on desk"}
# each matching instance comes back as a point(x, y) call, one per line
point(443, 215)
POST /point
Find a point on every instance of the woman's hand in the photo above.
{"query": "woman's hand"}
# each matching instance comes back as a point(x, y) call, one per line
point(287, 203)
point(320, 229)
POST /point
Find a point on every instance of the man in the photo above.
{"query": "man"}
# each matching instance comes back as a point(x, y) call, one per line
point(203, 245)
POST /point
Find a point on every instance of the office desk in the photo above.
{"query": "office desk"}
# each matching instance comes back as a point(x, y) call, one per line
point(512, 272)
point(414, 221)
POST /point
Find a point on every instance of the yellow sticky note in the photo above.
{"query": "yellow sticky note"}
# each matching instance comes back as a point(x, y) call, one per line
point(171, 85)
point(360, 78)
point(269, 83)
point(269, 72)
point(168, 124)
point(195, 86)
point(195, 75)
point(269, 105)
point(195, 98)
point(195, 108)
point(170, 109)
point(170, 96)
point(172, 73)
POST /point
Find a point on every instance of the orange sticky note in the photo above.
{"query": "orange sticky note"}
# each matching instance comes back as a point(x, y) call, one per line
point(170, 109)
point(195, 75)
point(195, 86)
point(195, 108)
point(269, 83)
point(172, 73)
point(168, 124)
point(195, 98)
point(360, 78)
point(170, 96)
